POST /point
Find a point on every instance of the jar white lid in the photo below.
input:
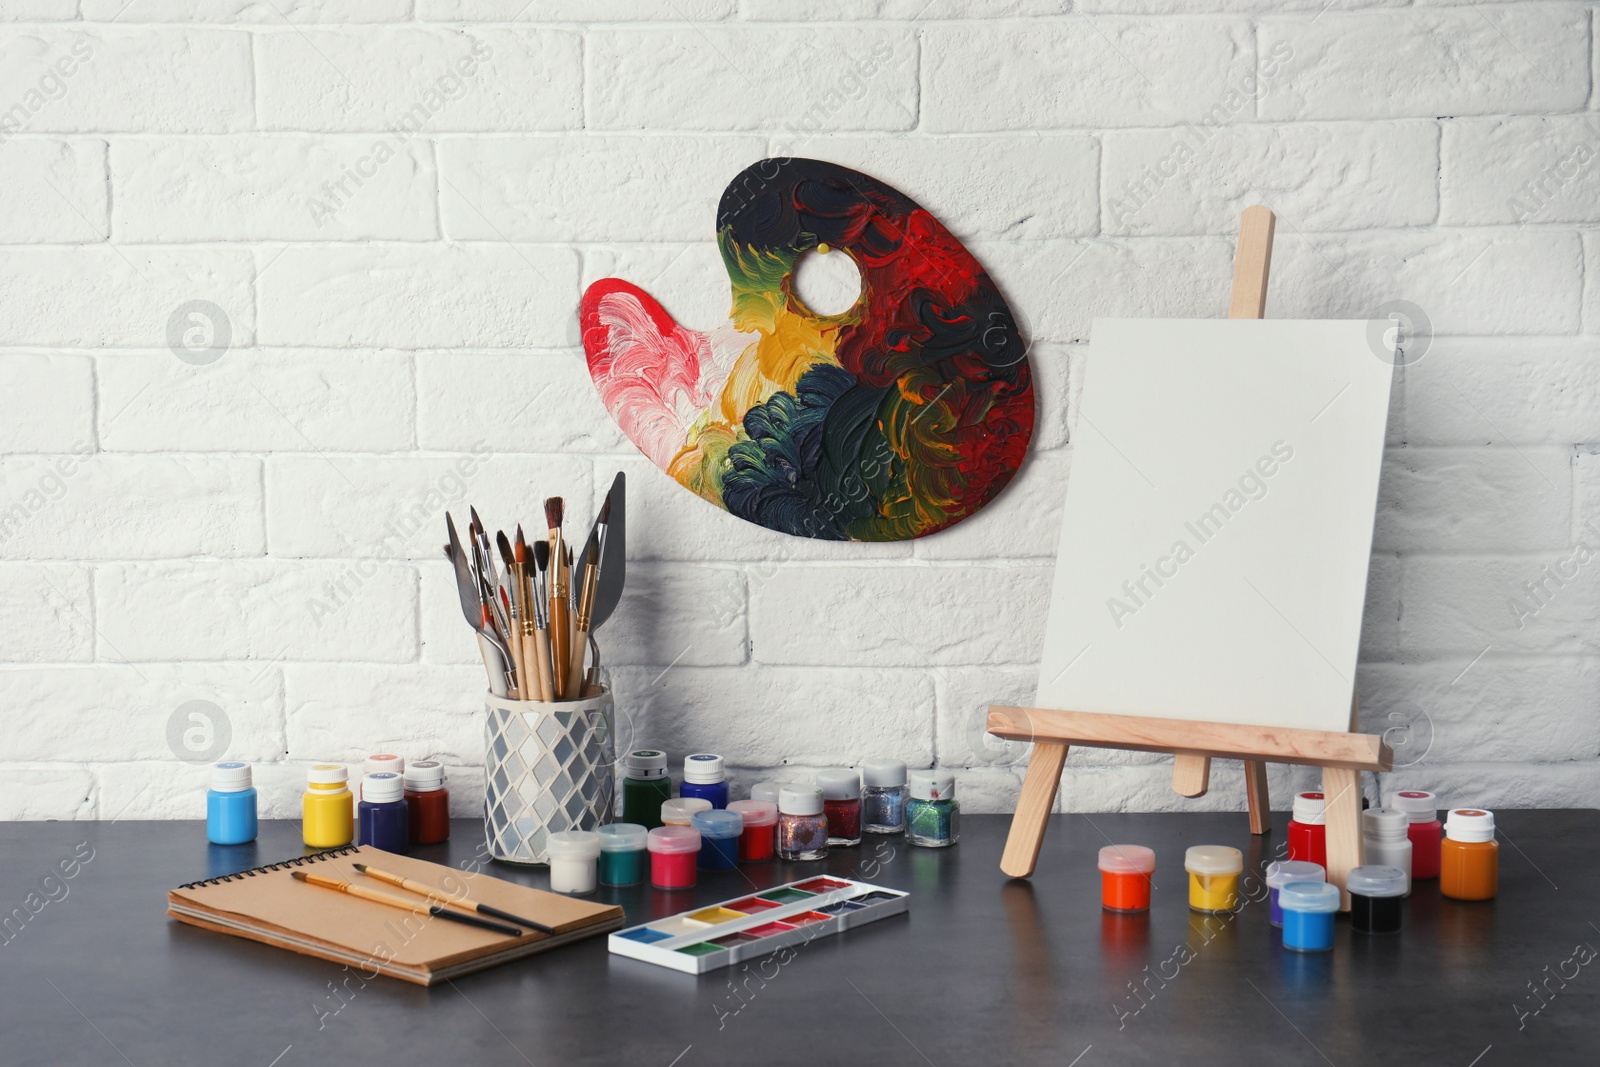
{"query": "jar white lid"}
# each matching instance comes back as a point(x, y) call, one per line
point(383, 788)
point(674, 839)
point(384, 761)
point(1310, 808)
point(573, 845)
point(839, 784)
point(1469, 824)
point(230, 777)
point(1376, 881)
point(1281, 872)
point(327, 775)
point(800, 800)
point(1127, 859)
point(932, 785)
point(884, 773)
point(647, 763)
point(1384, 823)
point(703, 768)
point(1309, 897)
point(766, 791)
point(1213, 859)
point(679, 810)
point(425, 776)
point(756, 812)
point(1418, 805)
point(622, 837)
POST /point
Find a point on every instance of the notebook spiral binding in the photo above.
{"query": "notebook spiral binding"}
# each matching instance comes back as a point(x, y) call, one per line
point(282, 865)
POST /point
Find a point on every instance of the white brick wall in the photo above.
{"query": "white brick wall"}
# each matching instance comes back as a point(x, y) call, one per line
point(396, 204)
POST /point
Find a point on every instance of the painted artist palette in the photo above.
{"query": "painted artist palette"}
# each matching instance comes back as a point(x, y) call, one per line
point(753, 926)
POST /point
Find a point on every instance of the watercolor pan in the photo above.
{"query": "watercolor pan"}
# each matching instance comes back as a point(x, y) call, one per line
point(750, 928)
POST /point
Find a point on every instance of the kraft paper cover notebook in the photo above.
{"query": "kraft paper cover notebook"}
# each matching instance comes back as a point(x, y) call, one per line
point(268, 905)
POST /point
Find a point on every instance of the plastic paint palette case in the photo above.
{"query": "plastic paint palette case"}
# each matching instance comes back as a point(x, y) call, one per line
point(751, 927)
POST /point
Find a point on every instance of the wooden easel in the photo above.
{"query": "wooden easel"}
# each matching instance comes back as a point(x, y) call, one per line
point(1342, 756)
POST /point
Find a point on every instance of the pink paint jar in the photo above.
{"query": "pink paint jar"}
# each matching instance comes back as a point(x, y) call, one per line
point(760, 829)
point(674, 855)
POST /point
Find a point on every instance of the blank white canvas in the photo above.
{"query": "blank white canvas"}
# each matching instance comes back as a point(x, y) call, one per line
point(1218, 521)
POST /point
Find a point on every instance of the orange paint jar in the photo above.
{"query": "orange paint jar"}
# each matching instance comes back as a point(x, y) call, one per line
point(1125, 872)
point(1469, 856)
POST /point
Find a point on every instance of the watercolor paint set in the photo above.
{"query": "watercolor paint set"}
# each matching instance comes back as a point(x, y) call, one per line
point(750, 927)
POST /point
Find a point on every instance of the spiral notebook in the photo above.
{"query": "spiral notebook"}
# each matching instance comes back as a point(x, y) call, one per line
point(268, 905)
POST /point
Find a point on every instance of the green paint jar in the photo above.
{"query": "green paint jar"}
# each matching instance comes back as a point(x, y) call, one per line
point(933, 815)
point(646, 787)
point(623, 858)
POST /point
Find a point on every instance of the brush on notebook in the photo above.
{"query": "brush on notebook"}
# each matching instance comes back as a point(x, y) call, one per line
point(424, 890)
point(410, 904)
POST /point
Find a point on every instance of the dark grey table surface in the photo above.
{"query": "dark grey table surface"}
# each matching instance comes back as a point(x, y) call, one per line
point(982, 970)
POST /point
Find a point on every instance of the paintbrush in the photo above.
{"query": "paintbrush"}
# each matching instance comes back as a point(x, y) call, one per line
point(591, 584)
point(540, 638)
point(433, 895)
point(560, 603)
point(511, 590)
point(393, 900)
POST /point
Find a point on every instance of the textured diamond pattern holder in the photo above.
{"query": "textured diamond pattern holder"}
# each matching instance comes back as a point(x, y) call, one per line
point(549, 767)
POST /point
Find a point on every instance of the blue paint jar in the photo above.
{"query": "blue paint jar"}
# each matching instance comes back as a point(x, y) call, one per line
point(1308, 911)
point(230, 805)
point(385, 819)
point(1280, 873)
point(703, 777)
point(719, 838)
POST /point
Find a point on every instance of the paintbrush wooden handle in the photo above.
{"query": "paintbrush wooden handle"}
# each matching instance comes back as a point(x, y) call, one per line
point(537, 645)
point(580, 644)
point(560, 646)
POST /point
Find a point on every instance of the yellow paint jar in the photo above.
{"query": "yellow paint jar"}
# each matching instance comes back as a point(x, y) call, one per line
point(1213, 877)
point(326, 808)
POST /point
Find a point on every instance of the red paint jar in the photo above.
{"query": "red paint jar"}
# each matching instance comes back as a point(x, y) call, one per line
point(1125, 873)
point(427, 803)
point(1425, 831)
point(841, 805)
point(760, 829)
point(674, 855)
point(1308, 832)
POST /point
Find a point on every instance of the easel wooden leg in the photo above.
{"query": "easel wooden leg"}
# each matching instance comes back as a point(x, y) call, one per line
point(1033, 809)
point(1342, 789)
point(1255, 788)
point(1191, 775)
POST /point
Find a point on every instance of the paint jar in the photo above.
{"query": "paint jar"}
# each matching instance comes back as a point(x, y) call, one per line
point(679, 810)
point(883, 798)
point(573, 856)
point(1384, 842)
point(841, 803)
point(1376, 893)
point(933, 814)
point(1308, 832)
point(760, 829)
point(327, 819)
point(1125, 872)
point(1424, 830)
point(381, 763)
point(1279, 874)
point(719, 838)
point(427, 802)
point(230, 805)
point(1213, 877)
point(767, 791)
point(1308, 911)
point(385, 823)
point(802, 828)
point(646, 787)
point(704, 777)
point(1469, 857)
point(674, 851)
point(622, 853)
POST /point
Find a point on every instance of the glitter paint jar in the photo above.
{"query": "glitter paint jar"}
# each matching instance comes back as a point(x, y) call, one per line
point(1376, 894)
point(841, 804)
point(574, 855)
point(1308, 832)
point(933, 814)
point(1308, 911)
point(646, 787)
point(1280, 873)
point(230, 805)
point(883, 797)
point(757, 840)
point(327, 816)
point(767, 791)
point(622, 853)
point(1469, 857)
point(679, 810)
point(1125, 873)
point(704, 777)
point(427, 802)
point(1384, 842)
point(385, 822)
point(802, 828)
point(1424, 830)
point(719, 838)
point(674, 851)
point(1213, 877)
